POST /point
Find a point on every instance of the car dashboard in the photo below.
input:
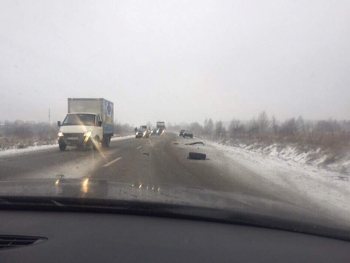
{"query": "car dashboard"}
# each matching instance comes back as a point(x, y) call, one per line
point(104, 237)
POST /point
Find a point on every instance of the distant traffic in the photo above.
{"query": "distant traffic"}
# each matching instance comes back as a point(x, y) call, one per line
point(145, 132)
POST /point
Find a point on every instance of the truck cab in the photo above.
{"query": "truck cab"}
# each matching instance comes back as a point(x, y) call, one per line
point(160, 127)
point(80, 129)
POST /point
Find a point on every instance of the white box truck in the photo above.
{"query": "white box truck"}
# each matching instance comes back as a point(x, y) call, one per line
point(89, 122)
point(160, 127)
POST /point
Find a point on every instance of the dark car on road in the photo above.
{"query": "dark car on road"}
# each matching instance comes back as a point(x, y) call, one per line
point(187, 134)
point(142, 132)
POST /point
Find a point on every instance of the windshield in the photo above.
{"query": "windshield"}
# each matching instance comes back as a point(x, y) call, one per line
point(79, 119)
point(244, 104)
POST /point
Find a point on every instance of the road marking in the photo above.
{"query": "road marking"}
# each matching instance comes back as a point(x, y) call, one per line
point(108, 164)
point(149, 141)
point(139, 147)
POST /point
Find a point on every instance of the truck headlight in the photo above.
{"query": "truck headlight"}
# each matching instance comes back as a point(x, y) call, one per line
point(60, 134)
point(87, 134)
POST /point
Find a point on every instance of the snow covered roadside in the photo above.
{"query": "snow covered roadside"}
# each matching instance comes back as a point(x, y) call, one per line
point(326, 159)
point(330, 189)
point(32, 149)
point(114, 139)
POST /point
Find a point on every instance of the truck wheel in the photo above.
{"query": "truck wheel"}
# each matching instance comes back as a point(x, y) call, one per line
point(106, 141)
point(62, 147)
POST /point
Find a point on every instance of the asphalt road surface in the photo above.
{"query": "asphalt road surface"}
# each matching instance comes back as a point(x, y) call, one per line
point(154, 161)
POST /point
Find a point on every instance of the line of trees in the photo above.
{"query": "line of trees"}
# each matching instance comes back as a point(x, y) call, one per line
point(264, 127)
point(28, 129)
point(123, 129)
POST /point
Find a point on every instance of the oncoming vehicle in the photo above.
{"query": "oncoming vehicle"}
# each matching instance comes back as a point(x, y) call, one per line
point(142, 132)
point(153, 132)
point(160, 127)
point(187, 134)
point(89, 122)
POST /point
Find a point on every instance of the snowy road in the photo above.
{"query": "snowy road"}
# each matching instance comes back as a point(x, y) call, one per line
point(162, 160)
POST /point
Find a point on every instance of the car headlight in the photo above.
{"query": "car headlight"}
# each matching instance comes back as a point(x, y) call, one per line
point(87, 134)
point(60, 134)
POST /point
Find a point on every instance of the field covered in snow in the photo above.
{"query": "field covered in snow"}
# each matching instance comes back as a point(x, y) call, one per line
point(315, 159)
point(290, 169)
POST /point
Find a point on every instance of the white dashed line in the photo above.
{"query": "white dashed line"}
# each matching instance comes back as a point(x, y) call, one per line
point(108, 164)
point(139, 147)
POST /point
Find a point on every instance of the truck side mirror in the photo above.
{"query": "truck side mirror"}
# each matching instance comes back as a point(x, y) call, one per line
point(100, 123)
point(59, 124)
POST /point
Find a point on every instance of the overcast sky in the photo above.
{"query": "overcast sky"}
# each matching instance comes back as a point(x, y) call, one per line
point(176, 60)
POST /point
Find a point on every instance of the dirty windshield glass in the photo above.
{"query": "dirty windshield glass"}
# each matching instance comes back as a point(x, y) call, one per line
point(233, 105)
point(79, 119)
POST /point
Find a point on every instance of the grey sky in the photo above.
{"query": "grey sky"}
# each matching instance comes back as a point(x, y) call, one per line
point(176, 60)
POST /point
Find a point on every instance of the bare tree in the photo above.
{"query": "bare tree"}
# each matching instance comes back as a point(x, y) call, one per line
point(289, 127)
point(196, 128)
point(323, 126)
point(274, 125)
point(263, 122)
point(301, 124)
point(219, 129)
point(236, 127)
point(208, 127)
point(253, 126)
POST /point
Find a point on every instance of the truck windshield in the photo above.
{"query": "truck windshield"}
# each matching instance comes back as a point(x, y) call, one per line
point(79, 119)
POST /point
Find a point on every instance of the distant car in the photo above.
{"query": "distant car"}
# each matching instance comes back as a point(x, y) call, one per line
point(139, 134)
point(181, 132)
point(142, 132)
point(187, 134)
point(154, 132)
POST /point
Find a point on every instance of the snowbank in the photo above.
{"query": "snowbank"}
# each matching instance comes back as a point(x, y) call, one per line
point(122, 138)
point(27, 150)
point(288, 168)
point(316, 158)
point(37, 148)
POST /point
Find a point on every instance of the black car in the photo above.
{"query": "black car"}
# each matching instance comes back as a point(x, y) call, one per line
point(187, 134)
